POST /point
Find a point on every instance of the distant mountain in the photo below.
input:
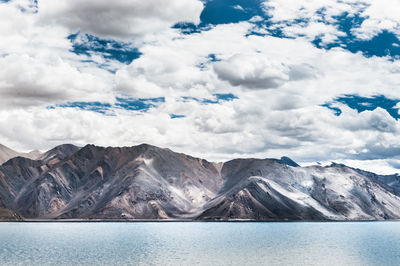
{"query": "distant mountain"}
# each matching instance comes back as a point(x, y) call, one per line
point(7, 153)
point(54, 155)
point(34, 155)
point(147, 182)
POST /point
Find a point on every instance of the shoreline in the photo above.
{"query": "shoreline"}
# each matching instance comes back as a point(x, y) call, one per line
point(189, 221)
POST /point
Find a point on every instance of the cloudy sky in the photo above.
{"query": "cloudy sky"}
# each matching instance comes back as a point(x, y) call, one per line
point(315, 80)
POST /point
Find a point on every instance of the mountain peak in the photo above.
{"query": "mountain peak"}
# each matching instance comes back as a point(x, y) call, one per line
point(59, 152)
point(7, 153)
point(333, 164)
point(288, 161)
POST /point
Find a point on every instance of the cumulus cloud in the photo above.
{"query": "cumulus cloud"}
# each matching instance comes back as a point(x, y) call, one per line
point(321, 18)
point(255, 71)
point(310, 19)
point(36, 65)
point(327, 33)
point(280, 84)
point(286, 10)
point(379, 16)
point(378, 120)
point(26, 81)
point(120, 18)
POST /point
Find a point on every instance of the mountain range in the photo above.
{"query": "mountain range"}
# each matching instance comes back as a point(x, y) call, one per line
point(151, 183)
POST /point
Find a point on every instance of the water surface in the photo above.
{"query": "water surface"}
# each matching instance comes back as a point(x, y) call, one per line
point(180, 243)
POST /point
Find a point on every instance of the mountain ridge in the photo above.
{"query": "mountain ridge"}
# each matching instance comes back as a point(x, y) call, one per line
point(148, 182)
point(7, 154)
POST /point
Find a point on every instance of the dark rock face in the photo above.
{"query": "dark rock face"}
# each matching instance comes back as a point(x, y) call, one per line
point(139, 182)
point(146, 182)
point(288, 161)
point(8, 216)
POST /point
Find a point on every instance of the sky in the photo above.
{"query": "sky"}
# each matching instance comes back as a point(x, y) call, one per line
point(315, 80)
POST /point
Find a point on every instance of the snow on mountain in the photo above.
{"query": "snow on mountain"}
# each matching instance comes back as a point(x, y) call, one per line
point(147, 182)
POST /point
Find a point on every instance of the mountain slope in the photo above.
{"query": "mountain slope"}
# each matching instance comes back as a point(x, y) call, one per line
point(138, 182)
point(58, 153)
point(8, 215)
point(147, 182)
point(14, 175)
point(266, 190)
point(7, 154)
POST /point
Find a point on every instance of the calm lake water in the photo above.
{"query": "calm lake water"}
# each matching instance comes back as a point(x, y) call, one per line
point(179, 243)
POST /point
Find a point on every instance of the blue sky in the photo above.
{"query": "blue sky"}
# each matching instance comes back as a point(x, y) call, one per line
point(362, 104)
point(313, 80)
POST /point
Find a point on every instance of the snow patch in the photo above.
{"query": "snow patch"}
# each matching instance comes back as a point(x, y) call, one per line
point(295, 195)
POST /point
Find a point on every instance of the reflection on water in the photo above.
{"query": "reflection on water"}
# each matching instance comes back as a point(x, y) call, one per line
point(365, 243)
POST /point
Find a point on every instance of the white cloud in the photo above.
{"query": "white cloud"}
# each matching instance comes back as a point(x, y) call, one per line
point(377, 15)
point(119, 19)
point(378, 120)
point(45, 79)
point(254, 71)
point(238, 7)
point(327, 33)
point(37, 69)
point(159, 70)
point(380, 15)
point(286, 10)
point(36, 65)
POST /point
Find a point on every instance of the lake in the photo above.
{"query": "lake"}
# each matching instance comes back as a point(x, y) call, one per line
point(203, 243)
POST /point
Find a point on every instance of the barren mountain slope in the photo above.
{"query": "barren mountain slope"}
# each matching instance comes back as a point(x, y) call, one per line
point(267, 190)
point(147, 182)
point(7, 154)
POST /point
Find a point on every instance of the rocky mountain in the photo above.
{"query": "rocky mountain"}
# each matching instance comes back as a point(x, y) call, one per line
point(7, 153)
point(7, 215)
point(147, 182)
point(58, 153)
point(264, 190)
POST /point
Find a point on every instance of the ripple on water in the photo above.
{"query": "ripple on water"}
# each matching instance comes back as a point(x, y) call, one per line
point(364, 243)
